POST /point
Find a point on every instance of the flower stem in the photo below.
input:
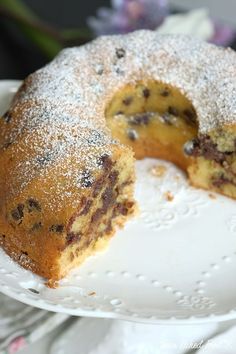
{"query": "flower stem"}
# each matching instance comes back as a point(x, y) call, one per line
point(48, 39)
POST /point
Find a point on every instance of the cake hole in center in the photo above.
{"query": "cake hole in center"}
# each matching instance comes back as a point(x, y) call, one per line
point(155, 119)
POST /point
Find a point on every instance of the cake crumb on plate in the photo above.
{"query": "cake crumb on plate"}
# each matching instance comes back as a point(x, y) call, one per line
point(92, 293)
point(158, 170)
point(169, 196)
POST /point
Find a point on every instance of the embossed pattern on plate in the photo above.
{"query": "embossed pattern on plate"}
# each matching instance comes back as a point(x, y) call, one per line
point(174, 262)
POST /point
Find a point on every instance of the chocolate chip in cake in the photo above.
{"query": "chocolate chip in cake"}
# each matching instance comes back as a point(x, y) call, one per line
point(98, 186)
point(141, 118)
point(165, 92)
point(127, 101)
point(220, 180)
point(86, 179)
point(121, 209)
point(120, 53)
point(105, 161)
point(191, 146)
point(190, 116)
point(87, 207)
point(146, 92)
point(132, 134)
point(97, 215)
point(119, 113)
point(113, 177)
point(108, 228)
point(18, 214)
point(44, 160)
point(58, 228)
point(33, 205)
point(168, 119)
point(208, 149)
point(7, 117)
point(36, 226)
point(107, 198)
point(174, 111)
point(72, 237)
point(119, 71)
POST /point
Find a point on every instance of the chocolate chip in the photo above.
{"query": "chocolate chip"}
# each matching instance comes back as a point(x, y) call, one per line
point(220, 180)
point(72, 237)
point(189, 116)
point(18, 214)
point(119, 71)
point(118, 113)
point(57, 228)
point(107, 198)
point(7, 117)
point(87, 207)
point(120, 53)
point(98, 186)
point(168, 118)
point(132, 134)
point(36, 226)
point(113, 177)
point(122, 208)
point(140, 119)
point(165, 93)
point(105, 161)
point(33, 205)
point(108, 228)
point(208, 149)
point(172, 110)
point(146, 93)
point(86, 180)
point(44, 160)
point(97, 215)
point(126, 101)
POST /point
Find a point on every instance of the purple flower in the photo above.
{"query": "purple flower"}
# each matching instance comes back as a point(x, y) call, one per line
point(224, 34)
point(129, 15)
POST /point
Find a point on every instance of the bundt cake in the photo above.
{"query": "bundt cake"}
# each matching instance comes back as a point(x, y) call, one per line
point(67, 142)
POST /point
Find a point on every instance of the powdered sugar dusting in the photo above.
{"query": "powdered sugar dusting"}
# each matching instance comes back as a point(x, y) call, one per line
point(62, 105)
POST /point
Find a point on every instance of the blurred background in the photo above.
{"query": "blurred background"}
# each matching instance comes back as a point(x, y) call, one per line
point(33, 31)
